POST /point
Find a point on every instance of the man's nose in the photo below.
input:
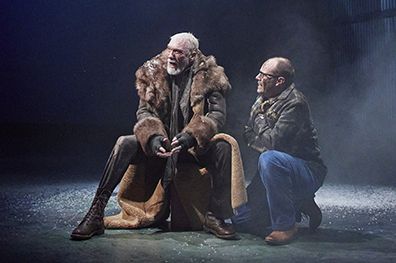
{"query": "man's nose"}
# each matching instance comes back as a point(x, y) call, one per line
point(171, 54)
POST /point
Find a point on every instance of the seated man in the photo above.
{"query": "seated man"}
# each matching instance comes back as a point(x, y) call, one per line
point(290, 167)
point(181, 106)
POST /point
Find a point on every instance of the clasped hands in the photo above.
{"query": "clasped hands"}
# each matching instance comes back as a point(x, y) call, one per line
point(160, 144)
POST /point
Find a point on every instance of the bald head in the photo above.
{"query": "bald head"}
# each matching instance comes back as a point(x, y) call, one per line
point(276, 74)
point(282, 67)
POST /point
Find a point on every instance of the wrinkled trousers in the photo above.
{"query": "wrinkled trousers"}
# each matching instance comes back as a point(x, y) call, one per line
point(288, 183)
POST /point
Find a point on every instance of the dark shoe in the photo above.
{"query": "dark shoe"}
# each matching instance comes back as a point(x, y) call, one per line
point(218, 227)
point(93, 224)
point(311, 209)
point(90, 226)
point(281, 237)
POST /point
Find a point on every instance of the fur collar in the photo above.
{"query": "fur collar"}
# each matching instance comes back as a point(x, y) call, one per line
point(153, 81)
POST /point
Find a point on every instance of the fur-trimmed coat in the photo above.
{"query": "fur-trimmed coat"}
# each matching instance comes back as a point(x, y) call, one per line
point(145, 203)
point(207, 101)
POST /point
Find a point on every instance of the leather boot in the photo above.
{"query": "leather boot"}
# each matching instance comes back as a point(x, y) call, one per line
point(311, 209)
point(281, 237)
point(93, 224)
point(218, 227)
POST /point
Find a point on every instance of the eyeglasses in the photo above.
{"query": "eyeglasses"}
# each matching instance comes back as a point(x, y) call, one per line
point(262, 75)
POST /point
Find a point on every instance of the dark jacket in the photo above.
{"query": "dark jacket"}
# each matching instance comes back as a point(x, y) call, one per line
point(285, 126)
point(207, 103)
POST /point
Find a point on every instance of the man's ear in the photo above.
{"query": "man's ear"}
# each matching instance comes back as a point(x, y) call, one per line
point(192, 55)
point(280, 81)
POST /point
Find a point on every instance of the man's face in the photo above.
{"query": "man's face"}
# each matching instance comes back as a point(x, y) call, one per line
point(267, 81)
point(179, 57)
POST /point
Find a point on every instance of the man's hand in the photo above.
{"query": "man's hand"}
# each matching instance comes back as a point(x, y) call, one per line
point(249, 135)
point(158, 144)
point(182, 141)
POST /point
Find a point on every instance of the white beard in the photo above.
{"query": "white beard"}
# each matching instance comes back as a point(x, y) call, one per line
point(173, 71)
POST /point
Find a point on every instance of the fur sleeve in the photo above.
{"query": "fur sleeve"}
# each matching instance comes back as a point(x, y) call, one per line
point(146, 128)
point(202, 129)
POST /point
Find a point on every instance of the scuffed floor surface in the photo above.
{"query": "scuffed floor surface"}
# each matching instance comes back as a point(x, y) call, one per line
point(359, 225)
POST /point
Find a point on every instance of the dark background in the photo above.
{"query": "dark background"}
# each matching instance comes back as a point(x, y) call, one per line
point(67, 77)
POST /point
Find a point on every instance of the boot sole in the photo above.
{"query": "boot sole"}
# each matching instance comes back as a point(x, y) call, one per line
point(279, 243)
point(208, 230)
point(85, 237)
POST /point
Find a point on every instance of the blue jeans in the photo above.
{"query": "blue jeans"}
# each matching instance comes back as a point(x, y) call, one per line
point(288, 183)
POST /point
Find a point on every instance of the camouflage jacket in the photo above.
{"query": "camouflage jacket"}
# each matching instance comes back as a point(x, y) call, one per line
point(284, 124)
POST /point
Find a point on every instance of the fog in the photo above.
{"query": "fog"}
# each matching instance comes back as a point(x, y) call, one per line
point(70, 66)
point(357, 123)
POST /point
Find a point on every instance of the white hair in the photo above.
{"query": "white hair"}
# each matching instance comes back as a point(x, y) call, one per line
point(192, 41)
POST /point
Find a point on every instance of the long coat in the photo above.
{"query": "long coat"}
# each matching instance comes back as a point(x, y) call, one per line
point(143, 201)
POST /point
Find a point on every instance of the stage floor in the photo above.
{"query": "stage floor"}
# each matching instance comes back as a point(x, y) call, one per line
point(37, 217)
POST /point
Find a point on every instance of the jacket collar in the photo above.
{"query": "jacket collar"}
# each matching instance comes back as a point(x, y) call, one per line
point(286, 92)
